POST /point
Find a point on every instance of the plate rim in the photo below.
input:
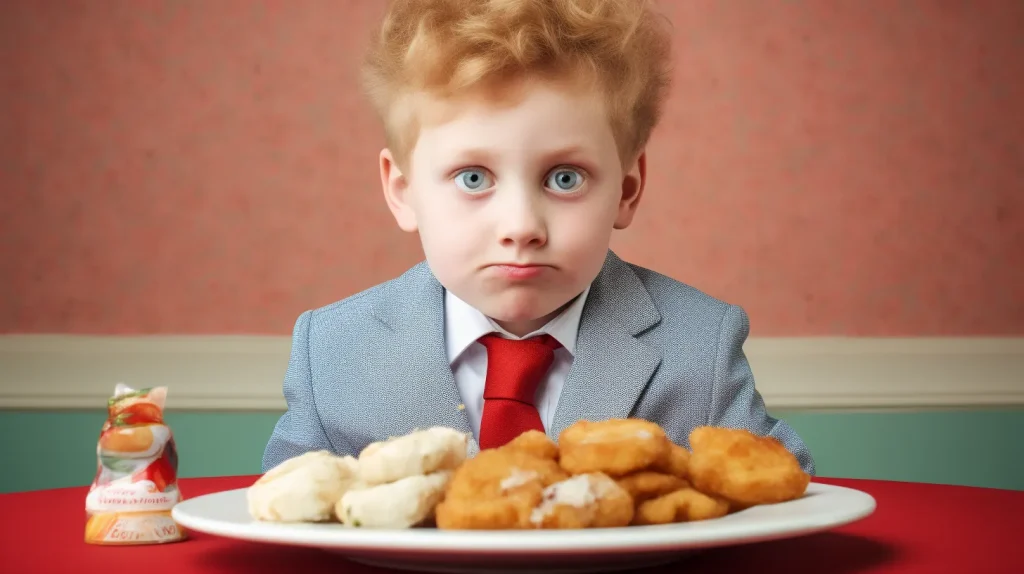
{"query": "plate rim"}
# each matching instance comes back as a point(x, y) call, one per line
point(430, 541)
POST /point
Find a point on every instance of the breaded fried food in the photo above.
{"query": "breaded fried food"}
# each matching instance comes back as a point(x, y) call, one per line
point(744, 468)
point(302, 489)
point(496, 472)
point(404, 503)
point(615, 506)
point(590, 500)
point(677, 463)
point(535, 443)
point(684, 505)
point(614, 447)
point(497, 489)
point(645, 485)
point(415, 454)
point(509, 512)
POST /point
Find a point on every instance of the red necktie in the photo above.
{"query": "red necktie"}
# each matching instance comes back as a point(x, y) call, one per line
point(514, 369)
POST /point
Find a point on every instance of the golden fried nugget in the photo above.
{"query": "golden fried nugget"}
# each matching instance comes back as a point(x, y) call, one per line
point(535, 443)
point(615, 447)
point(497, 489)
point(685, 505)
point(496, 472)
point(677, 463)
point(509, 512)
point(590, 500)
point(615, 506)
point(744, 468)
point(645, 485)
point(563, 517)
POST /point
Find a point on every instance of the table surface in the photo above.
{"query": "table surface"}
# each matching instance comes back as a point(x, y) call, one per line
point(917, 528)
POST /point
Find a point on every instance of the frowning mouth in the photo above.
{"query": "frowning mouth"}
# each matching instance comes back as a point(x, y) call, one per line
point(519, 270)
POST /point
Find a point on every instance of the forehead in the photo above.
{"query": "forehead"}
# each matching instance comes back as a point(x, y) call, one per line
point(536, 114)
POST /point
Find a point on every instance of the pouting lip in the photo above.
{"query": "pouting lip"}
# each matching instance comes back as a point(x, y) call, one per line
point(519, 265)
point(516, 271)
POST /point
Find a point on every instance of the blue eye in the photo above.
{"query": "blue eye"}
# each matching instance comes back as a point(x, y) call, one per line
point(564, 180)
point(473, 180)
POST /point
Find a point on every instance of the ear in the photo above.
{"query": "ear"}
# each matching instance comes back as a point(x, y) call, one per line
point(396, 191)
point(633, 182)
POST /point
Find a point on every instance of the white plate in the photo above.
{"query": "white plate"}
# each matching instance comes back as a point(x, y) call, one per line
point(823, 507)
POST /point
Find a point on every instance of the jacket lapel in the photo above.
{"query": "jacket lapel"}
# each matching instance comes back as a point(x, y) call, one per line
point(417, 378)
point(609, 373)
point(612, 367)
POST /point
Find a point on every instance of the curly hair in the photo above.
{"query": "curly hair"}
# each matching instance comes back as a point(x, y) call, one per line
point(449, 47)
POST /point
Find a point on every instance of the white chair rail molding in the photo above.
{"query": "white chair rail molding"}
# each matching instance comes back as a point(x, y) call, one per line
point(245, 372)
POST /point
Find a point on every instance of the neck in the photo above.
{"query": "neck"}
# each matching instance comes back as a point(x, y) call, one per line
point(525, 327)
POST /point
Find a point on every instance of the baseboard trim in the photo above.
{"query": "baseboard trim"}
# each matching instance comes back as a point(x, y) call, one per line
point(244, 373)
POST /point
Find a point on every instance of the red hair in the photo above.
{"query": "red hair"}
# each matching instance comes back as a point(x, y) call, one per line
point(446, 48)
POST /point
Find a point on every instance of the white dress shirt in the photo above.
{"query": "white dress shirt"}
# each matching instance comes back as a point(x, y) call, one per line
point(463, 325)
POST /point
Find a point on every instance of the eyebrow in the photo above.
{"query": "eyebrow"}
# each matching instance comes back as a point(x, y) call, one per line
point(555, 155)
point(571, 151)
point(472, 156)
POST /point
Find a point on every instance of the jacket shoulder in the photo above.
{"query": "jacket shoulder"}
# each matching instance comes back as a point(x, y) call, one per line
point(363, 302)
point(672, 296)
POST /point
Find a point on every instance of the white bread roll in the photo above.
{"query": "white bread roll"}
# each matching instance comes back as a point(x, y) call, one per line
point(302, 489)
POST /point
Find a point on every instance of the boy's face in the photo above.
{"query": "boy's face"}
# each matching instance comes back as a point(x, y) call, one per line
point(515, 201)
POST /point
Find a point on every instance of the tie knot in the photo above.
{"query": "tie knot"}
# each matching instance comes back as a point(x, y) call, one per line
point(515, 367)
point(495, 340)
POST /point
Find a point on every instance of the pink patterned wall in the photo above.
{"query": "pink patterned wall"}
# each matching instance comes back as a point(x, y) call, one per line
point(837, 167)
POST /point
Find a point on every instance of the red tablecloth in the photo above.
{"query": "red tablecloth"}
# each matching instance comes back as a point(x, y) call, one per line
point(917, 528)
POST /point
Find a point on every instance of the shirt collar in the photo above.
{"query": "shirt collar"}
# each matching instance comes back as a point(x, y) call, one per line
point(464, 324)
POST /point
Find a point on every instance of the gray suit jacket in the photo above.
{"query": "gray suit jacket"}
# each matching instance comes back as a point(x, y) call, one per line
point(373, 365)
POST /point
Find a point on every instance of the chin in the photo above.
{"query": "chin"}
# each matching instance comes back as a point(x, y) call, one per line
point(518, 313)
point(519, 309)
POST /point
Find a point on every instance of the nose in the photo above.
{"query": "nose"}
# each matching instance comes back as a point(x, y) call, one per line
point(520, 218)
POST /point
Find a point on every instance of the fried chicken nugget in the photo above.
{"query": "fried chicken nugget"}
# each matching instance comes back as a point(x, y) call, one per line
point(614, 447)
point(535, 443)
point(684, 505)
point(496, 489)
point(415, 454)
point(677, 463)
point(509, 512)
point(496, 472)
point(590, 500)
point(742, 467)
point(645, 485)
point(404, 503)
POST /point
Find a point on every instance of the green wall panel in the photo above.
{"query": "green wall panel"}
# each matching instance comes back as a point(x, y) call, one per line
point(42, 449)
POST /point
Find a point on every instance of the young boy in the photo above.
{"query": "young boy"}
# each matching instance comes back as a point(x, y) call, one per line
point(515, 145)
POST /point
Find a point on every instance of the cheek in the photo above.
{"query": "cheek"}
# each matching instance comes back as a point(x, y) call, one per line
point(587, 230)
point(444, 229)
